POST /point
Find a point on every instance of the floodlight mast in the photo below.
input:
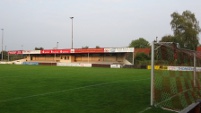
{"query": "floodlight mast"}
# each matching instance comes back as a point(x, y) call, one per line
point(72, 32)
point(57, 46)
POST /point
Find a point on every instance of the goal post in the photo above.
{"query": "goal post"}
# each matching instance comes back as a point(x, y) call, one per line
point(175, 76)
point(152, 74)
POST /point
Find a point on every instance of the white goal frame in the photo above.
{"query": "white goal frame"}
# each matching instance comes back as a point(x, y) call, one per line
point(153, 65)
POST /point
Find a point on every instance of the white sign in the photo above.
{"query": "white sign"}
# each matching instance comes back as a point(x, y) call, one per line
point(118, 50)
point(183, 68)
point(31, 52)
point(115, 66)
point(75, 64)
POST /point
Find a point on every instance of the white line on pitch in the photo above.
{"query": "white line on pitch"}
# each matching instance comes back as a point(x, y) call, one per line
point(48, 93)
point(148, 108)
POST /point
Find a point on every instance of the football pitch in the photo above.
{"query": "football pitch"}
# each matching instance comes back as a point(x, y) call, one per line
point(51, 89)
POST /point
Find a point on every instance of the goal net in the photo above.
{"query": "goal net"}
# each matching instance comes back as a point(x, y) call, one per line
point(176, 76)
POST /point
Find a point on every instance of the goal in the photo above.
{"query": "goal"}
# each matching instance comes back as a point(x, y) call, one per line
point(175, 76)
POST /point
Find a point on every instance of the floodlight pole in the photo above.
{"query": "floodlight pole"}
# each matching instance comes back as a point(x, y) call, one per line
point(57, 45)
point(2, 46)
point(152, 74)
point(22, 47)
point(72, 32)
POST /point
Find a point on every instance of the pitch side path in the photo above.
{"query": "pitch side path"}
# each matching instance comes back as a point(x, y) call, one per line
point(51, 89)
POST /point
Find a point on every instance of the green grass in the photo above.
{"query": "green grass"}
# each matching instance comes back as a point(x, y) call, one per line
point(46, 89)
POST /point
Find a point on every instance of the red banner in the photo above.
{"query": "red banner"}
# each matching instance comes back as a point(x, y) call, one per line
point(18, 52)
point(89, 50)
point(55, 51)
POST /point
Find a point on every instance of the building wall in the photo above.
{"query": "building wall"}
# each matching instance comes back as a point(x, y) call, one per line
point(146, 51)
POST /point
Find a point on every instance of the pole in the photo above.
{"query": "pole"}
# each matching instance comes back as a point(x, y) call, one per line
point(152, 73)
point(156, 39)
point(134, 57)
point(2, 46)
point(57, 45)
point(6, 52)
point(8, 55)
point(194, 74)
point(55, 57)
point(72, 32)
point(88, 57)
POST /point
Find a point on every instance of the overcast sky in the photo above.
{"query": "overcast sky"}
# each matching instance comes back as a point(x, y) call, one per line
point(106, 23)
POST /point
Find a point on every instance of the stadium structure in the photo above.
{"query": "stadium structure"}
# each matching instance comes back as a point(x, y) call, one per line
point(84, 57)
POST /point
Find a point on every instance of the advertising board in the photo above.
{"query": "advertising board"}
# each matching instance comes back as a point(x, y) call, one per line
point(30, 63)
point(75, 64)
point(89, 50)
point(118, 50)
point(115, 66)
point(17, 52)
point(175, 68)
point(31, 52)
point(55, 51)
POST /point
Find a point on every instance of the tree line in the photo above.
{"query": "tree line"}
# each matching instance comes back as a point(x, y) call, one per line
point(185, 29)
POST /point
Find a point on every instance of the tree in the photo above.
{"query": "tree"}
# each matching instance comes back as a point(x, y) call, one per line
point(139, 43)
point(186, 29)
point(141, 57)
point(168, 38)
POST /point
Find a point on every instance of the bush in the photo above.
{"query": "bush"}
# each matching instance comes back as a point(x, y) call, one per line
point(141, 57)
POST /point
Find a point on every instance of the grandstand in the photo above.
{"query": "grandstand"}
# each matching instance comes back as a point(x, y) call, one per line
point(92, 56)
